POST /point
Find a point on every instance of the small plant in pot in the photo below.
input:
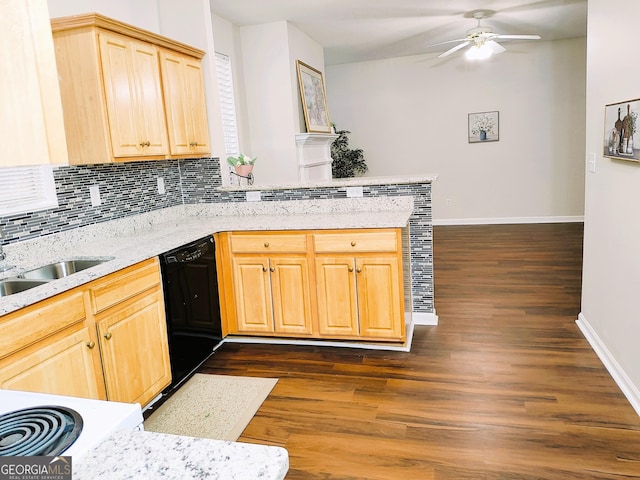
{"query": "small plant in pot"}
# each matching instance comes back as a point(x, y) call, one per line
point(243, 164)
point(347, 162)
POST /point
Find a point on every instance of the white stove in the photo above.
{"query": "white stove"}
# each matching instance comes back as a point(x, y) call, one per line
point(99, 418)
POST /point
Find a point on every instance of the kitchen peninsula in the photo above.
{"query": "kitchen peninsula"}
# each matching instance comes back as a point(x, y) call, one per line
point(389, 202)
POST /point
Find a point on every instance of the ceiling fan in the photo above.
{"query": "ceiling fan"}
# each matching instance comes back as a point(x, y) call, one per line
point(482, 40)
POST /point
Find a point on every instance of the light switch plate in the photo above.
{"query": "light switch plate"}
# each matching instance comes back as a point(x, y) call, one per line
point(254, 196)
point(353, 192)
point(591, 162)
point(94, 191)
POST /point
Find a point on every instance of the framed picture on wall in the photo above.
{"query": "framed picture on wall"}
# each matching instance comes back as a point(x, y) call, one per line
point(620, 138)
point(314, 99)
point(484, 127)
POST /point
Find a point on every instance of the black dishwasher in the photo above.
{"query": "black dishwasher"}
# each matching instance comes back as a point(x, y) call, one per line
point(190, 283)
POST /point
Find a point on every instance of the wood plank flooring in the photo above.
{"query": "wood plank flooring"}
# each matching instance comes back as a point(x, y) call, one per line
point(505, 387)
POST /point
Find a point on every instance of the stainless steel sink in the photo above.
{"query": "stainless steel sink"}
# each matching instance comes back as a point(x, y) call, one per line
point(62, 269)
point(16, 285)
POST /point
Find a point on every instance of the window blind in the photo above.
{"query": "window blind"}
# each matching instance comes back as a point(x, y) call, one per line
point(227, 104)
point(27, 189)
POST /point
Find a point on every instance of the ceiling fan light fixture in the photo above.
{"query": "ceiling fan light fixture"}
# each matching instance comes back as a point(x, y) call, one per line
point(478, 52)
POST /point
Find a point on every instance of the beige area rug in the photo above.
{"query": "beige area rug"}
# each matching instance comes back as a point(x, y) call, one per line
point(211, 406)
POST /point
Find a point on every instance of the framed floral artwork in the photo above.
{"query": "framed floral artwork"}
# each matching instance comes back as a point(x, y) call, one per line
point(314, 99)
point(620, 139)
point(484, 127)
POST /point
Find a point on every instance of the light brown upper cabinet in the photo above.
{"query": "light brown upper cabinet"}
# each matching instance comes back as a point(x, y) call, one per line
point(31, 113)
point(133, 95)
point(117, 105)
point(185, 105)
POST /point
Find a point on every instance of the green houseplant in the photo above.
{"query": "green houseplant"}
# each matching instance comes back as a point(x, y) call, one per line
point(243, 164)
point(347, 162)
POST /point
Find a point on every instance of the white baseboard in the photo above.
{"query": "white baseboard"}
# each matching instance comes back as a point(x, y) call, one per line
point(507, 220)
point(613, 367)
point(420, 318)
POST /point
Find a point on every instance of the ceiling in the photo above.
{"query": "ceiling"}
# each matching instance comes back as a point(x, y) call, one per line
point(360, 30)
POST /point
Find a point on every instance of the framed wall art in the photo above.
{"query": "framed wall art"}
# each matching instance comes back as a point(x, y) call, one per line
point(484, 127)
point(620, 138)
point(314, 99)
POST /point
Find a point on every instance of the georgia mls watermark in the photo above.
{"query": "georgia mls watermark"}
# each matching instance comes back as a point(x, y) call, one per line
point(35, 468)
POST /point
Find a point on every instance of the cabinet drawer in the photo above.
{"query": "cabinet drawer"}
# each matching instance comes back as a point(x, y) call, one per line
point(357, 242)
point(294, 243)
point(31, 324)
point(123, 285)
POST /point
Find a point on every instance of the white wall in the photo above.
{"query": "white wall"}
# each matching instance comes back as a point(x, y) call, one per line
point(274, 112)
point(307, 50)
point(409, 115)
point(267, 87)
point(611, 275)
point(142, 13)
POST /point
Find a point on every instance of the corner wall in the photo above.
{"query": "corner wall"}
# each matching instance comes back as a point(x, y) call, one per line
point(611, 271)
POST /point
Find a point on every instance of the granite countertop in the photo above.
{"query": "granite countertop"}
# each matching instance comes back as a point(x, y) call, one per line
point(133, 454)
point(342, 182)
point(133, 239)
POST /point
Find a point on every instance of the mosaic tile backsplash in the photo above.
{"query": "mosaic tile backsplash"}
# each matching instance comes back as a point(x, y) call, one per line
point(132, 188)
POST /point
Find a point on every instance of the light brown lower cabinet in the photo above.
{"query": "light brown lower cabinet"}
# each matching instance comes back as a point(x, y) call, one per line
point(272, 295)
point(334, 284)
point(104, 340)
point(63, 364)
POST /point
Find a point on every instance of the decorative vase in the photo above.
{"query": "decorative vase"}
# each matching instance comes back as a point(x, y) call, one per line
point(483, 135)
point(630, 145)
point(244, 170)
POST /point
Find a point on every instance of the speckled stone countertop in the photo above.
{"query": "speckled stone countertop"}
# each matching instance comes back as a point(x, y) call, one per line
point(343, 182)
point(133, 239)
point(133, 455)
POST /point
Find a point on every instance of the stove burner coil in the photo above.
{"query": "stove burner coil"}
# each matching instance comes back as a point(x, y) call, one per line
point(45, 430)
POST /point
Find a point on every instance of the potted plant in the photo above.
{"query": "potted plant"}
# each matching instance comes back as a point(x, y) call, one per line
point(347, 162)
point(243, 164)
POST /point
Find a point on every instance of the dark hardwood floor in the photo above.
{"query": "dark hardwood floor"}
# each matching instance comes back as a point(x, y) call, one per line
point(505, 387)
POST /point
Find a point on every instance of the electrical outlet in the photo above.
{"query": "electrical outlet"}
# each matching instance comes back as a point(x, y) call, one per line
point(161, 189)
point(94, 192)
point(254, 196)
point(354, 192)
point(448, 202)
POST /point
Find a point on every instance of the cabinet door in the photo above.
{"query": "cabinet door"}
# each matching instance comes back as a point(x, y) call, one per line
point(337, 297)
point(149, 94)
point(31, 118)
point(134, 98)
point(380, 297)
point(135, 353)
point(63, 365)
point(290, 294)
point(185, 104)
point(252, 294)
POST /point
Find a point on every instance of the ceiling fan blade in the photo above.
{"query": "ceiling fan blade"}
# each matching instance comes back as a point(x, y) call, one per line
point(495, 47)
point(444, 43)
point(454, 49)
point(518, 37)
